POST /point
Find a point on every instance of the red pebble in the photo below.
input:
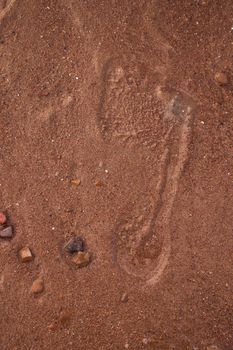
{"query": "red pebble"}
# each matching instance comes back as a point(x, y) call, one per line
point(2, 218)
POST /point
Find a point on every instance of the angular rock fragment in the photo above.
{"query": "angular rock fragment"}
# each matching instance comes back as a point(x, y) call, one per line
point(124, 298)
point(221, 78)
point(25, 254)
point(82, 259)
point(2, 218)
point(74, 245)
point(37, 286)
point(6, 232)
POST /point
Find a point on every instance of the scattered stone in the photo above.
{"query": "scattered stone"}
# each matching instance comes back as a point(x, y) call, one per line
point(82, 259)
point(221, 78)
point(63, 320)
point(76, 182)
point(2, 218)
point(74, 245)
point(124, 298)
point(145, 341)
point(37, 286)
point(25, 254)
point(52, 326)
point(64, 317)
point(212, 347)
point(6, 232)
point(2, 280)
point(99, 183)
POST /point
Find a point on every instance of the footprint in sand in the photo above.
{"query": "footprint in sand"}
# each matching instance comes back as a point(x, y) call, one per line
point(136, 109)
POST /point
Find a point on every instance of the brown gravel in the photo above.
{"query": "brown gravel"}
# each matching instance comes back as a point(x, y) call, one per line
point(2, 218)
point(37, 286)
point(25, 254)
point(221, 78)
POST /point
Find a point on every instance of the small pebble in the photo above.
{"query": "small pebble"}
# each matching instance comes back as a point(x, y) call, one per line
point(64, 317)
point(25, 254)
point(74, 245)
point(124, 298)
point(145, 341)
point(6, 232)
point(98, 183)
point(37, 286)
point(2, 218)
point(63, 320)
point(76, 182)
point(221, 78)
point(82, 259)
point(52, 326)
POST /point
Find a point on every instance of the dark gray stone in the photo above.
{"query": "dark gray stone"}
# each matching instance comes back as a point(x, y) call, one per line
point(6, 232)
point(75, 244)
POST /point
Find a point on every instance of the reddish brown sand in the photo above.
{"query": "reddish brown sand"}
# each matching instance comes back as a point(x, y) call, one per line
point(121, 95)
